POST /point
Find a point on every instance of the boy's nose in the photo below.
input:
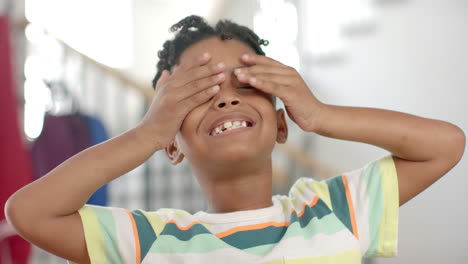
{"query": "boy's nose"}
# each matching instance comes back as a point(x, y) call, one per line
point(227, 99)
point(227, 103)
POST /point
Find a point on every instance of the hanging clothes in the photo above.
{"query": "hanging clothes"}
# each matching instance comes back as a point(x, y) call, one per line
point(97, 134)
point(15, 164)
point(61, 138)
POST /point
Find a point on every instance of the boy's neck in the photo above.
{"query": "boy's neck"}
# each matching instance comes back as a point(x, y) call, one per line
point(241, 187)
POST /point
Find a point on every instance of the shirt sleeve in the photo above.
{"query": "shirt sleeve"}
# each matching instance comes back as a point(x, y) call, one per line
point(116, 235)
point(366, 201)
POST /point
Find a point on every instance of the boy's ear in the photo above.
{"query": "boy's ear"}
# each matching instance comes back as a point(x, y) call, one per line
point(173, 153)
point(282, 134)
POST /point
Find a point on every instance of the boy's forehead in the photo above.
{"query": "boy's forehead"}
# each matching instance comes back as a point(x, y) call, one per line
point(227, 51)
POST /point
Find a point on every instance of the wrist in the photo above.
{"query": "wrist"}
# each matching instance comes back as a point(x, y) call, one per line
point(317, 113)
point(148, 137)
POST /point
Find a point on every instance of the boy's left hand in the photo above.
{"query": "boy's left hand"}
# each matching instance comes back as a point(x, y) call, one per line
point(284, 82)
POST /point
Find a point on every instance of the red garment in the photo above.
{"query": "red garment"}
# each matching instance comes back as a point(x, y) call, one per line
point(15, 163)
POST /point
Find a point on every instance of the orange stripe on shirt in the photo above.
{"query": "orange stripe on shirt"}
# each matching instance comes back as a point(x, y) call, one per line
point(314, 201)
point(251, 227)
point(137, 239)
point(351, 207)
point(304, 204)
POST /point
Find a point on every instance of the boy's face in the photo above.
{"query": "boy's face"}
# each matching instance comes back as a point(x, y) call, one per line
point(199, 139)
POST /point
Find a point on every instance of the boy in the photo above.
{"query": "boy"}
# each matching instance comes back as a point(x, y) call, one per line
point(214, 105)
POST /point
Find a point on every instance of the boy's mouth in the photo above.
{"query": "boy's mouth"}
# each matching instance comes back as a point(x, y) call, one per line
point(230, 125)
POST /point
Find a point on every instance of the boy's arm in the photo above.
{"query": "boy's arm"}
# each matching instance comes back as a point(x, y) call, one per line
point(423, 149)
point(45, 212)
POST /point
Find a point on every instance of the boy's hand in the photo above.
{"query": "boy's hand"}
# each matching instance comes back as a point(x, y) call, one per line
point(284, 82)
point(177, 94)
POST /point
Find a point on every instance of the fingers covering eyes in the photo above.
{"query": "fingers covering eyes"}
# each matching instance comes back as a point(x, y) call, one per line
point(195, 76)
point(252, 58)
point(202, 96)
point(201, 72)
point(268, 82)
point(199, 85)
point(256, 69)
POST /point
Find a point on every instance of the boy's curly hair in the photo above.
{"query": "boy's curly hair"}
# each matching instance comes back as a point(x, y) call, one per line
point(193, 29)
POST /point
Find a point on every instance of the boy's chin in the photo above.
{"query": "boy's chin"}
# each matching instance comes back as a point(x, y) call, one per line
point(238, 155)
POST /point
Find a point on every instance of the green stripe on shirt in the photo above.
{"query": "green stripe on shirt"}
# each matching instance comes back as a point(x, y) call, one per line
point(254, 238)
point(145, 233)
point(106, 222)
point(200, 244)
point(339, 201)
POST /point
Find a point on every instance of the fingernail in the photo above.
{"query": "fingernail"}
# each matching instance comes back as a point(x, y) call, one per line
point(221, 76)
point(237, 71)
point(206, 55)
point(215, 88)
point(253, 80)
point(221, 65)
point(245, 56)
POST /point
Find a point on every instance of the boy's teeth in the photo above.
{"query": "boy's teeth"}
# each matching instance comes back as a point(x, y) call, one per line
point(229, 126)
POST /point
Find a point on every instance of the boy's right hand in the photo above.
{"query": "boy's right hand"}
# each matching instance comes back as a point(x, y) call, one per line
point(55, 224)
point(177, 94)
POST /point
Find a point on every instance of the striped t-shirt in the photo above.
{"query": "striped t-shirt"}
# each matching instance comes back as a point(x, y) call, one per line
point(338, 220)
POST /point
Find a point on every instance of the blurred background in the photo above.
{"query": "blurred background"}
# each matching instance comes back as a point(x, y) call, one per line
point(74, 73)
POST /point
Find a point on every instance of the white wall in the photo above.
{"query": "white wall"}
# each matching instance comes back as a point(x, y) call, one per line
point(417, 62)
point(152, 20)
